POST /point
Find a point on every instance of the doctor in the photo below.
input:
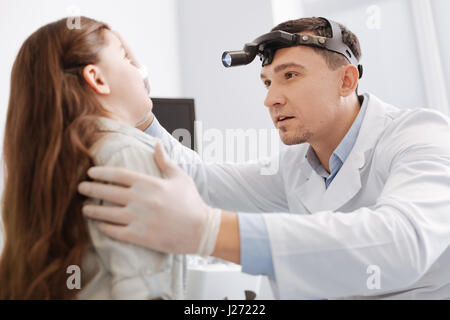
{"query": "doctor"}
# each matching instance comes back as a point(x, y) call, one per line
point(360, 205)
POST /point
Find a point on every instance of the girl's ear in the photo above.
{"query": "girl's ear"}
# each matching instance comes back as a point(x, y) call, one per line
point(95, 79)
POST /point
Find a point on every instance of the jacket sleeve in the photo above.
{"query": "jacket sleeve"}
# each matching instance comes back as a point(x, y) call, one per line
point(247, 187)
point(383, 248)
point(138, 273)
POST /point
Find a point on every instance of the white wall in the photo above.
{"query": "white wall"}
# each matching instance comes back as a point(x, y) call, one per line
point(441, 8)
point(225, 98)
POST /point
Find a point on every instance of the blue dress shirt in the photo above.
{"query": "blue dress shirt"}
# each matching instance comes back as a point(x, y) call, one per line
point(154, 129)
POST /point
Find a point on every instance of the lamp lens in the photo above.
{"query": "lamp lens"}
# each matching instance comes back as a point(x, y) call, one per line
point(226, 59)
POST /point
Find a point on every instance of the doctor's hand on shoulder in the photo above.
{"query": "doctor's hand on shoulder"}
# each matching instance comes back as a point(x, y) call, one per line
point(166, 215)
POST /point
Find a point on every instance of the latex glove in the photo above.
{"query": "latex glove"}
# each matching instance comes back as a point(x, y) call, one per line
point(166, 215)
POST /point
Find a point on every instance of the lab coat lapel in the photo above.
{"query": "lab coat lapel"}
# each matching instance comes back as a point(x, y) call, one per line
point(312, 190)
point(313, 193)
point(345, 185)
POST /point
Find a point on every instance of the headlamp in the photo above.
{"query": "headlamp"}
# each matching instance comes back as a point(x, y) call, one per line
point(266, 45)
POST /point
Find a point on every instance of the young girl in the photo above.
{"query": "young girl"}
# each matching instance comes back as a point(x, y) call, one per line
point(76, 99)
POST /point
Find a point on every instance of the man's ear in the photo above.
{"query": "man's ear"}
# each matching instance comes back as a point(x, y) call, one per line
point(95, 79)
point(349, 77)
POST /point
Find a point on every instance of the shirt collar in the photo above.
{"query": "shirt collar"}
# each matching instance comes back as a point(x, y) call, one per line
point(344, 148)
point(111, 125)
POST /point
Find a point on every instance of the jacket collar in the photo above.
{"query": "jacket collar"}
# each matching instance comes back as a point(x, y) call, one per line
point(313, 194)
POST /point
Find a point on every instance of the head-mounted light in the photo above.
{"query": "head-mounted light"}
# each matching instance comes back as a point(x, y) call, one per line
point(266, 45)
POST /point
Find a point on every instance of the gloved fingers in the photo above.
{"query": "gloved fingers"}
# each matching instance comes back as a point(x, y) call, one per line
point(120, 233)
point(115, 175)
point(109, 214)
point(115, 194)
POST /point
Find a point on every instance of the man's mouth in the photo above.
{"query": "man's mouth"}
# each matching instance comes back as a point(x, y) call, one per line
point(283, 119)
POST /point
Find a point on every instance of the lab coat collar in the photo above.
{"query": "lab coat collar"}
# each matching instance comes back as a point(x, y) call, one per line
point(313, 194)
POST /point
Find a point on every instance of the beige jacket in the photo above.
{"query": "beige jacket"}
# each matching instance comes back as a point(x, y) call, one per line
point(116, 270)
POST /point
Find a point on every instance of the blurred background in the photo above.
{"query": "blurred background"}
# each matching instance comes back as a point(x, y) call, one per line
point(404, 45)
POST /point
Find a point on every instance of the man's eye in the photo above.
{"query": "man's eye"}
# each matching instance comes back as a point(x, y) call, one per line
point(289, 75)
point(267, 83)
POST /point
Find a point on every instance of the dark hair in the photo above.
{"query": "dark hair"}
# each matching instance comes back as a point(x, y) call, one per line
point(320, 27)
point(50, 126)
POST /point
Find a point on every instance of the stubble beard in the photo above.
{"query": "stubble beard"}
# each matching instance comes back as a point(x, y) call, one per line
point(297, 138)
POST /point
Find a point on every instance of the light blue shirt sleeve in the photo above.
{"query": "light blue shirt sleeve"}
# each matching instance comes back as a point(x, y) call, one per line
point(256, 257)
point(154, 129)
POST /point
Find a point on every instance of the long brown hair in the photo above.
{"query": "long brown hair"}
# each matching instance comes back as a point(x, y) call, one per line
point(50, 126)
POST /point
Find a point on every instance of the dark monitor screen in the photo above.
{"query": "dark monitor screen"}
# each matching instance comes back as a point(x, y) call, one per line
point(175, 114)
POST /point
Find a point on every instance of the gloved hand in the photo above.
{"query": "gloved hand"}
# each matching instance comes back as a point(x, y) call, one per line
point(166, 215)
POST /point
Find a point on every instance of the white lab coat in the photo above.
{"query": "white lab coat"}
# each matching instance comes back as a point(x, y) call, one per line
point(381, 229)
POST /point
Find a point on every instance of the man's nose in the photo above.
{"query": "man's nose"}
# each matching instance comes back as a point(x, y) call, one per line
point(274, 98)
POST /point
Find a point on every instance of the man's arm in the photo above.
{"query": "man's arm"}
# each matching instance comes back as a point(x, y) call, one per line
point(243, 187)
point(228, 243)
point(252, 250)
point(243, 239)
point(228, 246)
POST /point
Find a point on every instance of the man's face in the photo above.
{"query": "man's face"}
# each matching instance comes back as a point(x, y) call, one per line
point(301, 87)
